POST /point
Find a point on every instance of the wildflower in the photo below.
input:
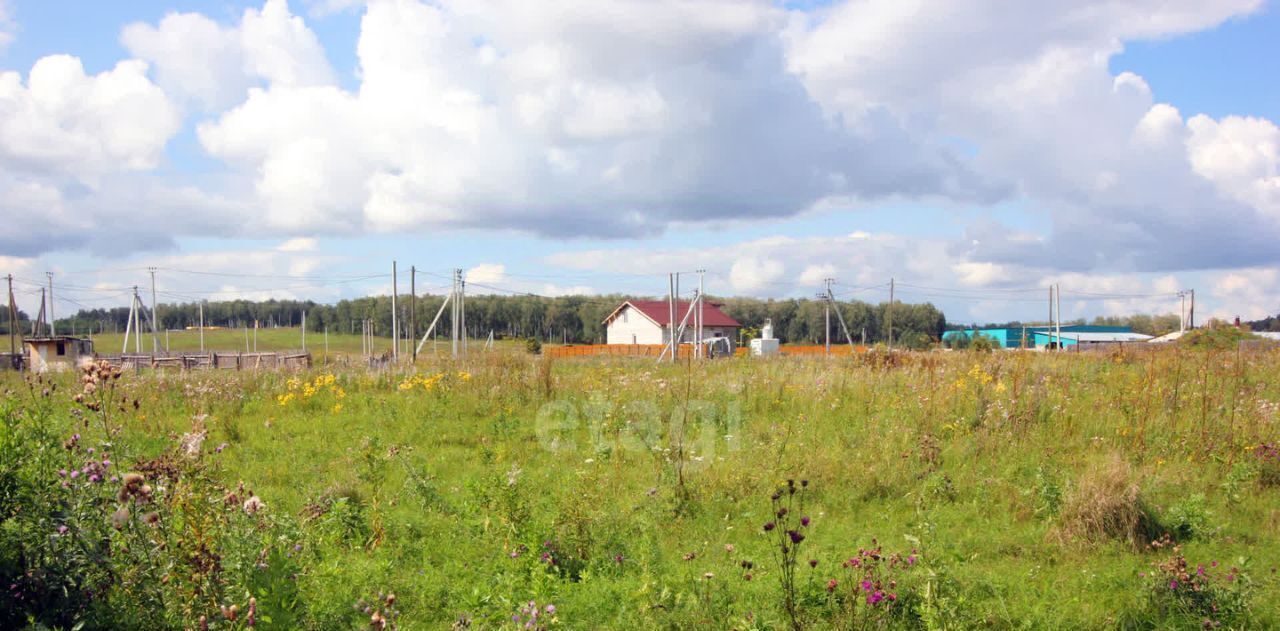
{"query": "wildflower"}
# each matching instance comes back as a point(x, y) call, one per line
point(152, 518)
point(1173, 583)
point(120, 518)
point(689, 556)
point(831, 585)
point(804, 521)
point(62, 530)
point(550, 609)
point(813, 563)
point(795, 535)
point(728, 547)
point(709, 575)
point(866, 586)
point(769, 526)
point(875, 597)
point(618, 558)
point(253, 505)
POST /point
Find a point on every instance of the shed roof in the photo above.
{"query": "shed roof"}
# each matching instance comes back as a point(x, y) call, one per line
point(658, 311)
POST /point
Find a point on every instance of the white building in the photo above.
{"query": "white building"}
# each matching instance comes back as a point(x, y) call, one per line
point(646, 322)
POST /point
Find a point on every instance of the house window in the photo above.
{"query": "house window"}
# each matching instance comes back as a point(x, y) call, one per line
point(624, 316)
point(62, 348)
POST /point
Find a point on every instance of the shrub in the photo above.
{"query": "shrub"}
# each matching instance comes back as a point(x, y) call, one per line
point(533, 346)
point(1188, 518)
point(1106, 503)
point(1206, 596)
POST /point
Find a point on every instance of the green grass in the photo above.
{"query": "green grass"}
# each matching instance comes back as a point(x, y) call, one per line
point(971, 460)
point(276, 339)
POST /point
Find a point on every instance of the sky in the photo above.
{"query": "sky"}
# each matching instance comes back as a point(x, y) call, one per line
point(975, 153)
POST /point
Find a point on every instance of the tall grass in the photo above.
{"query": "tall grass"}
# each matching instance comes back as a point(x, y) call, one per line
point(1025, 489)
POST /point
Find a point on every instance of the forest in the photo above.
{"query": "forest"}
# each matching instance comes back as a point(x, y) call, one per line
point(565, 319)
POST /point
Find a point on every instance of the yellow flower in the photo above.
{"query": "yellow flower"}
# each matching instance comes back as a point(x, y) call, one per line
point(337, 407)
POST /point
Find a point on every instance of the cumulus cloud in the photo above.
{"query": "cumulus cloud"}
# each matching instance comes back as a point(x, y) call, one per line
point(214, 65)
point(621, 119)
point(63, 122)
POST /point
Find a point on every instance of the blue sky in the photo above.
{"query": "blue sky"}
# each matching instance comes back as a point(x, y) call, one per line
point(580, 155)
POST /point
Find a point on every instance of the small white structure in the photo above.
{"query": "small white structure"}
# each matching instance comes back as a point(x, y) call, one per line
point(647, 322)
point(765, 345)
point(57, 353)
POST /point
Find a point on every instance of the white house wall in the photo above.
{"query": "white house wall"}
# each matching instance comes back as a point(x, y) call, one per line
point(633, 327)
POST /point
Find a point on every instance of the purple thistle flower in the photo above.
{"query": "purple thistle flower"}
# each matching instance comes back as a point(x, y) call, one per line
point(875, 597)
point(866, 586)
point(1173, 584)
point(768, 526)
point(62, 473)
point(62, 530)
point(813, 563)
point(804, 521)
point(795, 535)
point(75, 473)
point(551, 609)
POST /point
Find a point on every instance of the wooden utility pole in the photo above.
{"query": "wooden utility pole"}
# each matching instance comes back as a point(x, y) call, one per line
point(201, 325)
point(304, 331)
point(889, 313)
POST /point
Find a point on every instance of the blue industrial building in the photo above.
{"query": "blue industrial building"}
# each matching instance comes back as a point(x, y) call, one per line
point(1043, 336)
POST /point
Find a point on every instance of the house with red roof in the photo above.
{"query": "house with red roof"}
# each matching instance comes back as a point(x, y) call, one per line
point(647, 322)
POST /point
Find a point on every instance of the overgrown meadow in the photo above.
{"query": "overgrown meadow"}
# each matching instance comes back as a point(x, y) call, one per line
point(911, 490)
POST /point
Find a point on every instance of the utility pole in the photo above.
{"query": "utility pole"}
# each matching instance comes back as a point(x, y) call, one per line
point(1057, 307)
point(395, 331)
point(1192, 317)
point(827, 314)
point(831, 301)
point(1049, 333)
point(202, 325)
point(13, 320)
point(413, 309)
point(671, 314)
point(304, 331)
point(1182, 312)
point(889, 313)
point(155, 339)
point(53, 326)
point(462, 306)
point(698, 350)
point(453, 313)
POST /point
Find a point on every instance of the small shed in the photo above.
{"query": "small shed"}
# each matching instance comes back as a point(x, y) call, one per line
point(56, 353)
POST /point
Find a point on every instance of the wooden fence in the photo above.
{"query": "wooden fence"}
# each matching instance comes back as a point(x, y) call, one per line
point(289, 360)
point(685, 350)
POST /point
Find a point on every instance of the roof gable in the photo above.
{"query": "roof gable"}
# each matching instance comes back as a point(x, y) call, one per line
point(659, 312)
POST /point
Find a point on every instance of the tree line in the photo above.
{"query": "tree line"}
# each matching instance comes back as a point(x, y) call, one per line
point(569, 319)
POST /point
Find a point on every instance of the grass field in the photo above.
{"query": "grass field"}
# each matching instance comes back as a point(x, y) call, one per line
point(921, 490)
point(276, 339)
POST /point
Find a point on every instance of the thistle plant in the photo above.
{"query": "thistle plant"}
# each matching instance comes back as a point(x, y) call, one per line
point(788, 530)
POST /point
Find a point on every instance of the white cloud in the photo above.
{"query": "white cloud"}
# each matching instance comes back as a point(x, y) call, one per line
point(1241, 156)
point(750, 274)
point(215, 65)
point(300, 244)
point(487, 273)
point(64, 122)
point(815, 275)
point(7, 26)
